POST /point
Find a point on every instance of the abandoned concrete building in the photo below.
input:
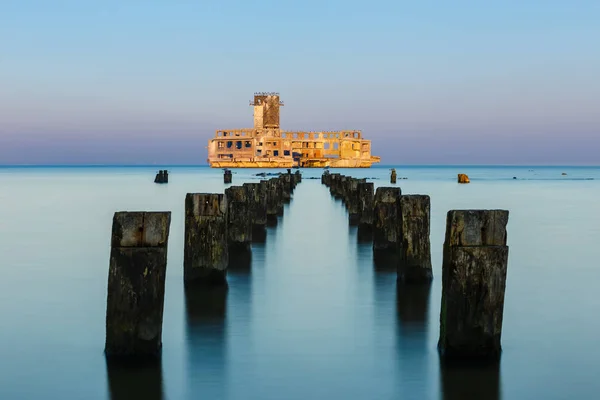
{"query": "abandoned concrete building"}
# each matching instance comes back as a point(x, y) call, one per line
point(267, 146)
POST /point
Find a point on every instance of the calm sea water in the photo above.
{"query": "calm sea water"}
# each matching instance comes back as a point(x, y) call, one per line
point(312, 318)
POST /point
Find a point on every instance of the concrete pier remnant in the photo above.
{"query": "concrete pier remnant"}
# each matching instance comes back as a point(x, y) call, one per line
point(463, 178)
point(393, 176)
point(473, 284)
point(136, 284)
point(162, 176)
point(386, 220)
point(415, 249)
point(239, 221)
point(227, 177)
point(205, 255)
point(257, 210)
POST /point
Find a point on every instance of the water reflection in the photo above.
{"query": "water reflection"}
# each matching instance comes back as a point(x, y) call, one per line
point(412, 331)
point(206, 340)
point(470, 381)
point(135, 380)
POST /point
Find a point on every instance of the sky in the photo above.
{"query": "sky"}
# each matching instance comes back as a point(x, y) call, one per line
point(429, 82)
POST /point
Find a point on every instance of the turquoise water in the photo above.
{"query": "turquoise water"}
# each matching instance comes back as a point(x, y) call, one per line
point(312, 318)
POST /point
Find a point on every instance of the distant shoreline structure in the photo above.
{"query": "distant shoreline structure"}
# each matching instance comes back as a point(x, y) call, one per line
point(267, 146)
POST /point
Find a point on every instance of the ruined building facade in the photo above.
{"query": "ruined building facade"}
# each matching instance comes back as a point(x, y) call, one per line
point(267, 146)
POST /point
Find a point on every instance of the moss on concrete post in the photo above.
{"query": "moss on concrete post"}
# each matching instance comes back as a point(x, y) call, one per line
point(415, 249)
point(239, 222)
point(205, 255)
point(473, 284)
point(387, 220)
point(136, 284)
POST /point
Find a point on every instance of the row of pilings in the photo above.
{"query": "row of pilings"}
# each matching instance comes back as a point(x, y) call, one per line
point(218, 227)
point(475, 259)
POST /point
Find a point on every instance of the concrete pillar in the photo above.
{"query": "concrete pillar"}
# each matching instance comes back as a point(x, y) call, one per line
point(387, 220)
point(473, 284)
point(205, 255)
point(415, 249)
point(239, 221)
point(136, 284)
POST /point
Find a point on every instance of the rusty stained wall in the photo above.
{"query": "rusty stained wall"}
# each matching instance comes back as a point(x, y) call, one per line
point(258, 117)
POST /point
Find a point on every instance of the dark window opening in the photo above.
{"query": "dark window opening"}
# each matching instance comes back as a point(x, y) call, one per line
point(248, 144)
point(238, 144)
point(286, 152)
point(276, 153)
point(229, 144)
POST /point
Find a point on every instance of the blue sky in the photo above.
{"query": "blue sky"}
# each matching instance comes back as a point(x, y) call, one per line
point(459, 82)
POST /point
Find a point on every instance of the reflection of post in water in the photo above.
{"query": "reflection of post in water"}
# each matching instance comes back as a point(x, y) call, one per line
point(205, 337)
point(462, 380)
point(135, 380)
point(413, 305)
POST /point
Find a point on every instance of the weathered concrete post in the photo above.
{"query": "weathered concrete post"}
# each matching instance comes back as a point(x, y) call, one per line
point(136, 284)
point(415, 250)
point(366, 200)
point(393, 176)
point(386, 220)
point(286, 180)
point(274, 201)
point(326, 178)
point(473, 284)
point(162, 177)
point(353, 201)
point(205, 255)
point(227, 177)
point(257, 211)
point(297, 178)
point(334, 181)
point(341, 187)
point(239, 221)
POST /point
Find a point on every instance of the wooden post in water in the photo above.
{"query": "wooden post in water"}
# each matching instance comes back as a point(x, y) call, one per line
point(227, 177)
point(387, 220)
point(286, 183)
point(274, 201)
point(239, 221)
point(136, 284)
point(473, 284)
point(326, 178)
point(353, 201)
point(415, 250)
point(393, 176)
point(257, 212)
point(205, 255)
point(366, 200)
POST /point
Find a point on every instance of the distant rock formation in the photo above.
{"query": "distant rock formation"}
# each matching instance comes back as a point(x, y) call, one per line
point(463, 178)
